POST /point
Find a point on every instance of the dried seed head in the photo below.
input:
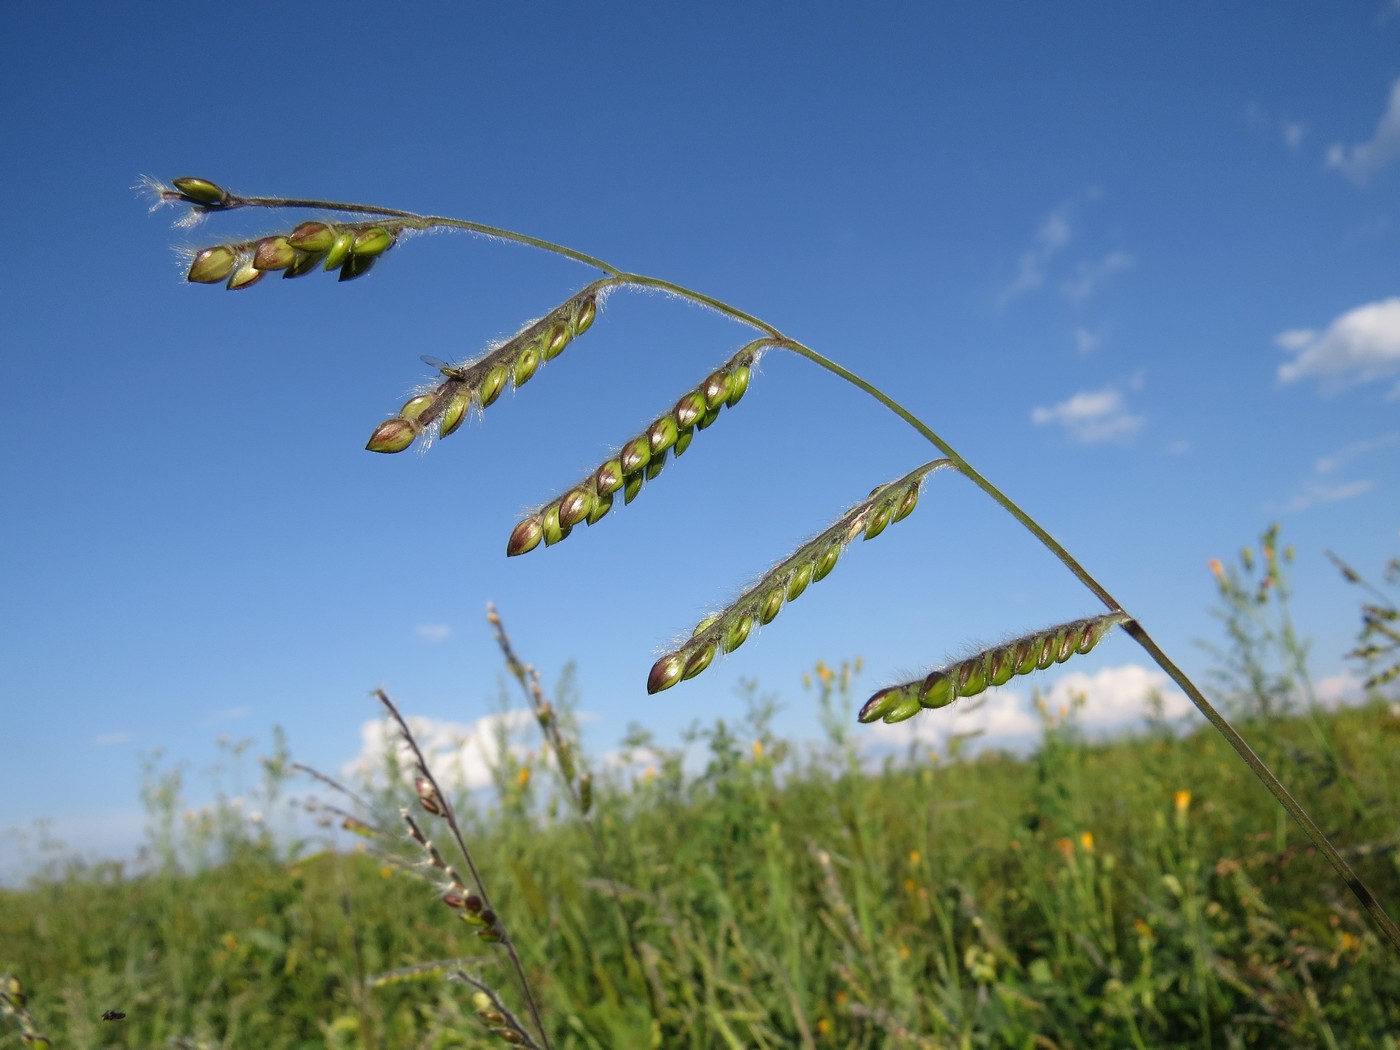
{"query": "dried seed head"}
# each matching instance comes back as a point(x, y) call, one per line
point(212, 265)
point(761, 602)
point(428, 797)
point(994, 666)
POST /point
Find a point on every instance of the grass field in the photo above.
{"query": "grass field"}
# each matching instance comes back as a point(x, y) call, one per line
point(1143, 893)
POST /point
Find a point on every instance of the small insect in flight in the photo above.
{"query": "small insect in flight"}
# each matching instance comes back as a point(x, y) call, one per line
point(114, 1015)
point(450, 371)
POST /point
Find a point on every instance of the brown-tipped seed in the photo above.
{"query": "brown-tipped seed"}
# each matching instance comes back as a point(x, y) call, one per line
point(689, 409)
point(201, 192)
point(575, 507)
point(662, 434)
point(526, 365)
point(428, 797)
point(393, 435)
point(635, 455)
point(716, 389)
point(212, 265)
point(311, 236)
point(245, 276)
point(665, 673)
point(371, 241)
point(339, 250)
point(607, 479)
point(274, 253)
point(525, 537)
point(878, 704)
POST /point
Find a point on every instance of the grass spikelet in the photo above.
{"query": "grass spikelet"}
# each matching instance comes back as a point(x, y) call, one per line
point(351, 248)
point(728, 629)
point(641, 458)
point(994, 666)
point(481, 382)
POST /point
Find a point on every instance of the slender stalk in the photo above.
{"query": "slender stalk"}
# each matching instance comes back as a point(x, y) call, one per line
point(449, 814)
point(1134, 629)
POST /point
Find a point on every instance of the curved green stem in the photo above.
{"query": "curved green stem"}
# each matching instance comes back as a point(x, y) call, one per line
point(1133, 628)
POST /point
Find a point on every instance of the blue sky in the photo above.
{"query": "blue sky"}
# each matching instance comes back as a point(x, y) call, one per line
point(1139, 264)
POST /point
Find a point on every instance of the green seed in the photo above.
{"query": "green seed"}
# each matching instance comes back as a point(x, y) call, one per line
point(554, 341)
point(393, 435)
point(339, 250)
point(662, 434)
point(455, 412)
point(493, 384)
point(737, 633)
point(372, 241)
point(525, 537)
point(636, 454)
point(699, 660)
point(416, 406)
point(826, 561)
point(313, 237)
point(576, 505)
point(585, 310)
point(274, 253)
point(689, 409)
point(526, 365)
point(212, 265)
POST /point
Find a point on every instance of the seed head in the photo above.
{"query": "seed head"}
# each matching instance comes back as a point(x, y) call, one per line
point(761, 602)
point(991, 667)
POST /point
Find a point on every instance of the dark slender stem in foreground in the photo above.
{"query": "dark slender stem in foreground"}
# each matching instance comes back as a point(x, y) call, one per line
point(1134, 629)
point(449, 814)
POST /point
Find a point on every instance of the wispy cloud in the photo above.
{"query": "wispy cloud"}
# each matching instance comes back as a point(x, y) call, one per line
point(227, 714)
point(1361, 161)
point(1314, 492)
point(1359, 346)
point(1322, 487)
point(433, 632)
point(1086, 340)
point(1092, 416)
point(1054, 234)
point(1089, 276)
point(1293, 132)
point(117, 736)
point(1356, 450)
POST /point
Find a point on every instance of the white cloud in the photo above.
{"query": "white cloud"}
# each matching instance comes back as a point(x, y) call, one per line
point(433, 632)
point(1089, 276)
point(1314, 492)
point(1054, 233)
point(1343, 689)
point(1360, 162)
point(459, 754)
point(1328, 464)
point(1086, 341)
point(1359, 346)
point(1293, 132)
point(1092, 416)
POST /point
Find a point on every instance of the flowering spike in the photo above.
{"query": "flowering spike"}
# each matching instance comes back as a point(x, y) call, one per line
point(991, 667)
point(760, 603)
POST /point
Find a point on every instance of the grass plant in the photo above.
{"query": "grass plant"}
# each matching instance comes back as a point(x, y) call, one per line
point(775, 899)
